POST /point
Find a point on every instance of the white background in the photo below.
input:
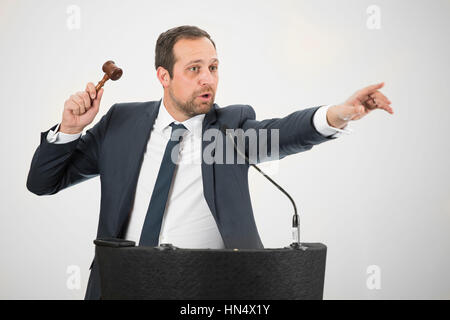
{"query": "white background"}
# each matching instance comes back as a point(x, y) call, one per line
point(377, 197)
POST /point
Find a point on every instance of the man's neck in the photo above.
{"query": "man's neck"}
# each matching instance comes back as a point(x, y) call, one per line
point(172, 110)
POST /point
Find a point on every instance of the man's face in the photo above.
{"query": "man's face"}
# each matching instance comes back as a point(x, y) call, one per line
point(195, 73)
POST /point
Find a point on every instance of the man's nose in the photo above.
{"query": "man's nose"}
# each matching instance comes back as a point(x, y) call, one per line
point(206, 77)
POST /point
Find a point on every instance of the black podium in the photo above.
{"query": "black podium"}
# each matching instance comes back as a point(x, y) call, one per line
point(167, 272)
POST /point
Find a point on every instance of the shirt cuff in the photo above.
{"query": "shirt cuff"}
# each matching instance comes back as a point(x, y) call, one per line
point(322, 126)
point(56, 137)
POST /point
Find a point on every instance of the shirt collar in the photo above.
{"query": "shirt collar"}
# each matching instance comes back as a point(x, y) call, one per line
point(164, 119)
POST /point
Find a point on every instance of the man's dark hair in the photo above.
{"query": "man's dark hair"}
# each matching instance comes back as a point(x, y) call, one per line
point(164, 56)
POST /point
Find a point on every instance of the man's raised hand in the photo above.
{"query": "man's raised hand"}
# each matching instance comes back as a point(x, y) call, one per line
point(80, 109)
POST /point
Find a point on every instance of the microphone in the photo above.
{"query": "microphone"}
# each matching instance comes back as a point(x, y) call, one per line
point(295, 219)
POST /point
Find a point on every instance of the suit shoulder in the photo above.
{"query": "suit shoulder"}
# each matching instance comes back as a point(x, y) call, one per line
point(237, 110)
point(134, 106)
point(125, 110)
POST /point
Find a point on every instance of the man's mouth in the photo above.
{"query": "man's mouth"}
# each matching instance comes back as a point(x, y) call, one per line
point(205, 96)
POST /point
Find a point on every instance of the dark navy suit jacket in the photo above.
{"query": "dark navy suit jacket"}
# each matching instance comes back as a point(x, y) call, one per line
point(113, 149)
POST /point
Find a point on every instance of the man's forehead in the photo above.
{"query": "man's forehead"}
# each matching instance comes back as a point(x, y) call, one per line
point(189, 51)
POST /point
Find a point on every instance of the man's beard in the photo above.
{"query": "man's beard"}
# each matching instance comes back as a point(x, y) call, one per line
point(192, 108)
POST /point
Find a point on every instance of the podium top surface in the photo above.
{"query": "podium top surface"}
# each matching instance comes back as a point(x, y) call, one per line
point(127, 244)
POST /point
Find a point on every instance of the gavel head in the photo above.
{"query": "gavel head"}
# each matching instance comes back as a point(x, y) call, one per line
point(113, 71)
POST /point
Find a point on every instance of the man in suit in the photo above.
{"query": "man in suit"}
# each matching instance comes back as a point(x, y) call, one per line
point(151, 198)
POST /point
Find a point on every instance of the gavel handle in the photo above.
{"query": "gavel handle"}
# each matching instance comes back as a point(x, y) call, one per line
point(101, 82)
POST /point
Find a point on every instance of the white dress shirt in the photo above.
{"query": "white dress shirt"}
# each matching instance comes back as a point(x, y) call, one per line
point(187, 221)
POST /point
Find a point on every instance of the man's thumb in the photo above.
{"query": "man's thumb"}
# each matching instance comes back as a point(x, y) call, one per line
point(98, 98)
point(359, 109)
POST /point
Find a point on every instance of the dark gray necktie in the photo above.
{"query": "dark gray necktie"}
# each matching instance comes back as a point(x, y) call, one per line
point(157, 206)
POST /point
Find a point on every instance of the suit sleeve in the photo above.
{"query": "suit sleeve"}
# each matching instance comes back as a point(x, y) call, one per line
point(296, 132)
point(58, 166)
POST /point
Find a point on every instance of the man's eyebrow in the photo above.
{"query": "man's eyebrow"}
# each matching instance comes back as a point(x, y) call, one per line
point(200, 61)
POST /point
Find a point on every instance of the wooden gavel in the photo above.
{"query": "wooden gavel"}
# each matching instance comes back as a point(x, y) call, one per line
point(111, 71)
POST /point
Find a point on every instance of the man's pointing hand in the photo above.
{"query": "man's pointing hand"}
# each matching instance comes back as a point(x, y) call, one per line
point(361, 103)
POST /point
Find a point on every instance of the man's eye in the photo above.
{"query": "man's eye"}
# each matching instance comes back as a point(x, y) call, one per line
point(193, 68)
point(214, 68)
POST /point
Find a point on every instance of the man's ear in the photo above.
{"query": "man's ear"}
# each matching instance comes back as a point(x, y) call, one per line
point(163, 76)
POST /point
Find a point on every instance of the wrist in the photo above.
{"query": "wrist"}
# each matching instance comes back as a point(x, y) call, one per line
point(69, 130)
point(333, 118)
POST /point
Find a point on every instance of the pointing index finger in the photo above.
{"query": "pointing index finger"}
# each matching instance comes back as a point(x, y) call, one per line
point(371, 89)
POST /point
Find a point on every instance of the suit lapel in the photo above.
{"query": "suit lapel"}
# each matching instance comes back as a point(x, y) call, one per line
point(208, 169)
point(140, 134)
